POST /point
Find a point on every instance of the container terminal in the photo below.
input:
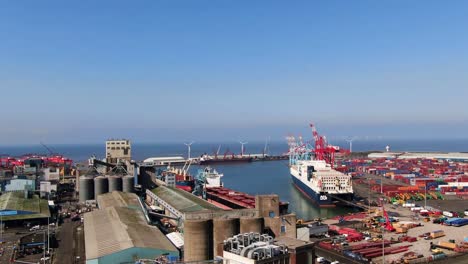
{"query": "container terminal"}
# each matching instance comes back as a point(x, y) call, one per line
point(117, 210)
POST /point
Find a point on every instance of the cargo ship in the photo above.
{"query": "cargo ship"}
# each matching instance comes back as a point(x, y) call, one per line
point(318, 181)
point(231, 199)
point(209, 186)
point(183, 180)
point(206, 177)
point(312, 171)
point(210, 176)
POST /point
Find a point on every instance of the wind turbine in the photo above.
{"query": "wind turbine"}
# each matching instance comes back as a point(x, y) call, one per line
point(350, 141)
point(266, 148)
point(189, 146)
point(242, 146)
point(219, 148)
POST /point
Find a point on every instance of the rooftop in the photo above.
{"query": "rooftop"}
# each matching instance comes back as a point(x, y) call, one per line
point(183, 201)
point(291, 243)
point(118, 199)
point(154, 159)
point(114, 229)
point(22, 208)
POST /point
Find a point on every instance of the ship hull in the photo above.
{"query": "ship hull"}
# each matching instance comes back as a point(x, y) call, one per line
point(321, 199)
point(186, 185)
point(227, 160)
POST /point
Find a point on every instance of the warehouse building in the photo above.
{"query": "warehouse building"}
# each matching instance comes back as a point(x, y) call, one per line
point(19, 183)
point(205, 226)
point(119, 199)
point(256, 248)
point(17, 207)
point(119, 233)
point(177, 202)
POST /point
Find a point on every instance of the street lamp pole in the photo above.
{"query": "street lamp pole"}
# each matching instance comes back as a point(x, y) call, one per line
point(425, 195)
point(43, 253)
point(368, 182)
point(48, 235)
point(383, 245)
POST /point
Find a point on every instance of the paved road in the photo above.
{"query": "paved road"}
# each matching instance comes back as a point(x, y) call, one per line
point(65, 252)
point(79, 249)
point(334, 256)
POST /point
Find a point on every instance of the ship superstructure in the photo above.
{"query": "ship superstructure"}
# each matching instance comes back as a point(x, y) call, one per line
point(313, 174)
point(180, 176)
point(211, 176)
point(206, 178)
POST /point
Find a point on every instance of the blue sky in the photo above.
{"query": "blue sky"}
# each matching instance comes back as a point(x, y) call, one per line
point(219, 70)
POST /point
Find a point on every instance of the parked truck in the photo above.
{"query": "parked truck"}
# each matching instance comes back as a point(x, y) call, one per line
point(317, 229)
point(446, 245)
point(436, 234)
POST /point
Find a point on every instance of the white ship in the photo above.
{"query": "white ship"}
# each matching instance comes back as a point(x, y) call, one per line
point(321, 183)
point(207, 177)
point(212, 177)
point(312, 172)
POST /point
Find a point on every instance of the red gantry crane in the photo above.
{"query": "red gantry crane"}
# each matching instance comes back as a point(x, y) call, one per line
point(323, 150)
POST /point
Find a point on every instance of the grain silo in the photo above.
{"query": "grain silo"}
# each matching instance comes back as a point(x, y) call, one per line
point(86, 188)
point(101, 186)
point(115, 183)
point(251, 224)
point(198, 243)
point(128, 183)
point(222, 230)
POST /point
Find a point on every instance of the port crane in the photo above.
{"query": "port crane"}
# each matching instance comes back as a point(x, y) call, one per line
point(323, 150)
point(9, 162)
point(228, 152)
point(48, 149)
point(55, 158)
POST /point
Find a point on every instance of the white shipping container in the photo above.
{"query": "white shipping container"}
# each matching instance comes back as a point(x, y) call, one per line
point(448, 214)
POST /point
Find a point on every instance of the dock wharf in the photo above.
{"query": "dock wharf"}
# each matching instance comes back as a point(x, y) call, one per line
point(179, 160)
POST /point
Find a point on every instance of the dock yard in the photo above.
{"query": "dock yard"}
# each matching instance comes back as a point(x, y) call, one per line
point(206, 160)
point(409, 208)
point(420, 195)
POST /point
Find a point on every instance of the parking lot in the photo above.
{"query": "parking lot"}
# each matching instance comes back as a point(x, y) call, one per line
point(10, 246)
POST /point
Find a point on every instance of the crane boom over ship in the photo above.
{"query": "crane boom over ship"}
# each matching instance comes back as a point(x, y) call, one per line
point(312, 170)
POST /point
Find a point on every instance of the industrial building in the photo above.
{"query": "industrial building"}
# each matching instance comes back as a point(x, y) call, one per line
point(19, 183)
point(179, 202)
point(46, 187)
point(205, 226)
point(164, 161)
point(256, 248)
point(118, 149)
point(51, 174)
point(119, 232)
point(20, 206)
point(119, 199)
